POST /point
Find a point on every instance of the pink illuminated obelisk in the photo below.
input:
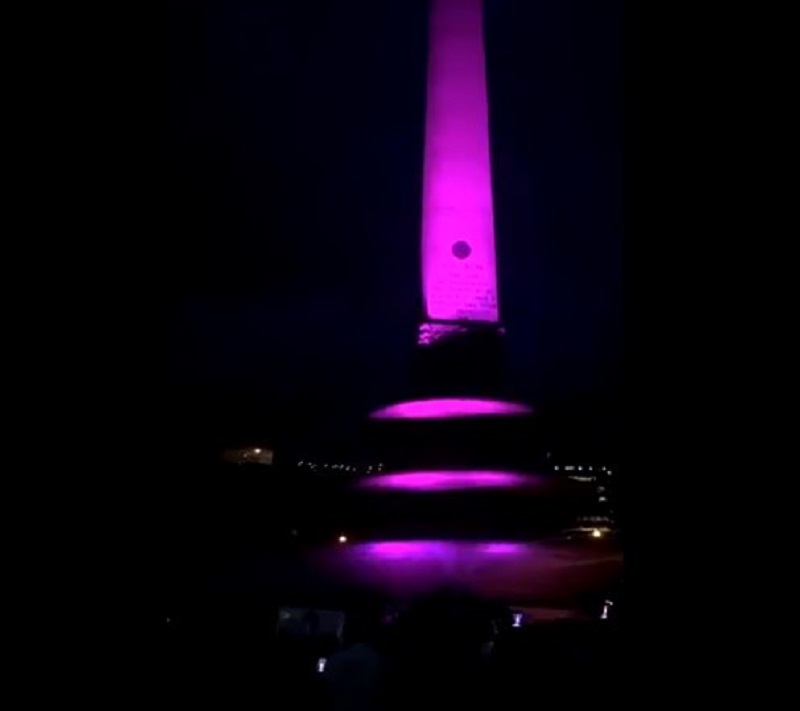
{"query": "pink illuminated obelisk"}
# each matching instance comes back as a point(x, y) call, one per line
point(458, 256)
point(458, 370)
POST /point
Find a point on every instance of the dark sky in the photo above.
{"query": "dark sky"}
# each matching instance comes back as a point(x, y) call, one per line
point(294, 134)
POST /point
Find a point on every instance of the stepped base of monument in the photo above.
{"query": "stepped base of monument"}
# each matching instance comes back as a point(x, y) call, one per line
point(514, 442)
point(449, 408)
point(459, 504)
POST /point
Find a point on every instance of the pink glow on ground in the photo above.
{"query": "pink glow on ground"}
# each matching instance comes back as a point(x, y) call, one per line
point(448, 480)
point(446, 408)
point(513, 571)
point(458, 254)
point(421, 550)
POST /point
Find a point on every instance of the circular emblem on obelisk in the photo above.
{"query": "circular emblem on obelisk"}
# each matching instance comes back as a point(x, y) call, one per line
point(461, 249)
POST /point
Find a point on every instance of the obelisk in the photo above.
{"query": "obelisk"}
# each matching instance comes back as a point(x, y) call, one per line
point(458, 367)
point(458, 254)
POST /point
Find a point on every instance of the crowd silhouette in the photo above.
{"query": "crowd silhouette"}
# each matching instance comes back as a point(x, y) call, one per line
point(447, 650)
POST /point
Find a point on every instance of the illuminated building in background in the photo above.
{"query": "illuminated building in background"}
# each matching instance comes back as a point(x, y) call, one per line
point(248, 455)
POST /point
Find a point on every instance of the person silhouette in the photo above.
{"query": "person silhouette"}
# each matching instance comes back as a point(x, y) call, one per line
point(354, 674)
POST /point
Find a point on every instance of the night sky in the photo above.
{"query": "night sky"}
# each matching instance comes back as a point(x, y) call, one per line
point(294, 135)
